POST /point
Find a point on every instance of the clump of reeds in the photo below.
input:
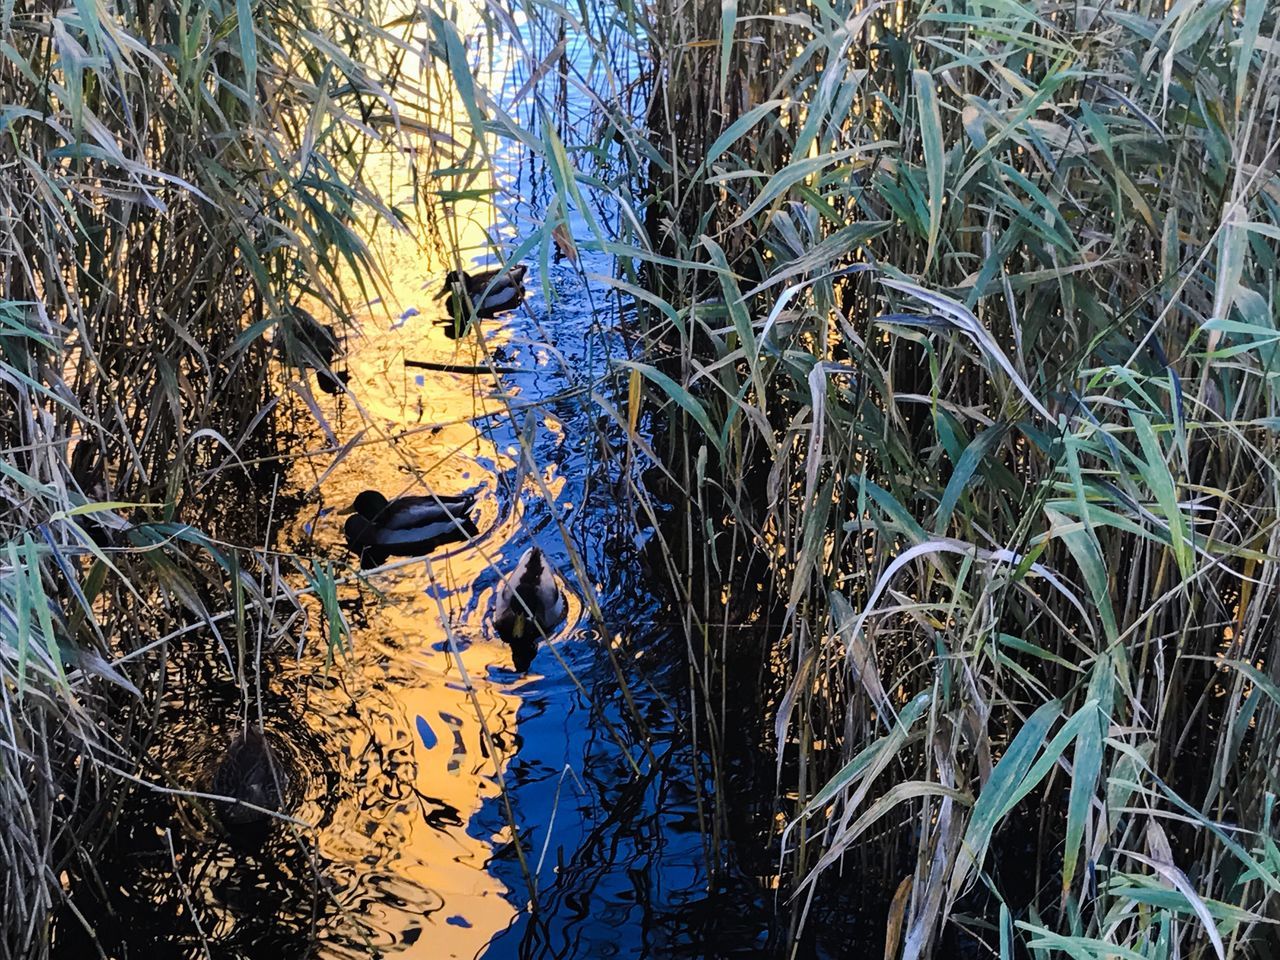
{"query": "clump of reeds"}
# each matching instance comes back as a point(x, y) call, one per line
point(176, 177)
point(995, 296)
point(961, 322)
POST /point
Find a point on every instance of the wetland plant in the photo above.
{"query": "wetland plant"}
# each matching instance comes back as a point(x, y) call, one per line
point(955, 330)
point(953, 337)
point(176, 176)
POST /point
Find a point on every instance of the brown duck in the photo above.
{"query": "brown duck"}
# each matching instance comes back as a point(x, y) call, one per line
point(249, 773)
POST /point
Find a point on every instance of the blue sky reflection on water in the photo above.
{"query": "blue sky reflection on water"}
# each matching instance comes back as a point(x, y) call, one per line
point(603, 799)
point(611, 829)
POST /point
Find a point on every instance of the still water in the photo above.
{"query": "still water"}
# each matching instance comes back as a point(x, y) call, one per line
point(444, 804)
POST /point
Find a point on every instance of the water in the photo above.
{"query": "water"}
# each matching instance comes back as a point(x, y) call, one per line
point(443, 803)
point(419, 754)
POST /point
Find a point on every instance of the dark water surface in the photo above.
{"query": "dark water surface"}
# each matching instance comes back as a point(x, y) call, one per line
point(398, 749)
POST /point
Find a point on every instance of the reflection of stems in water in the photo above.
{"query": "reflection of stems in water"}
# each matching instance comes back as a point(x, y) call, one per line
point(460, 367)
point(555, 807)
point(390, 438)
point(498, 768)
point(257, 653)
point(592, 602)
point(186, 896)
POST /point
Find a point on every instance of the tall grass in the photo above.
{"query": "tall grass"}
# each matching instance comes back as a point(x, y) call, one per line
point(987, 393)
point(955, 330)
point(960, 319)
point(176, 177)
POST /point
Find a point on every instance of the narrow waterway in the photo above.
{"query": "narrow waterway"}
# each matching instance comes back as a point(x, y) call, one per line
point(427, 720)
point(444, 803)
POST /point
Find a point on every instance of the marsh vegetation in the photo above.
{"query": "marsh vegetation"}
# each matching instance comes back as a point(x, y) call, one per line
point(894, 391)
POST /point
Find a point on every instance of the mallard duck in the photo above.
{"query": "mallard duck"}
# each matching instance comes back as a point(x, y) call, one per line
point(407, 526)
point(480, 296)
point(529, 604)
point(249, 773)
point(310, 343)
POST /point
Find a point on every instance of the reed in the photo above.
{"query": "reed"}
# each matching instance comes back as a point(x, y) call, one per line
point(958, 322)
point(989, 388)
point(176, 177)
point(954, 333)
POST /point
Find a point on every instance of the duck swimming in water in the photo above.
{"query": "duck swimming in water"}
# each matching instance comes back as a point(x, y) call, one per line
point(310, 343)
point(379, 528)
point(529, 605)
point(249, 773)
point(479, 296)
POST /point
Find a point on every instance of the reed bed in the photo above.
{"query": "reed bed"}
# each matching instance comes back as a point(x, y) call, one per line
point(176, 177)
point(989, 387)
point(956, 332)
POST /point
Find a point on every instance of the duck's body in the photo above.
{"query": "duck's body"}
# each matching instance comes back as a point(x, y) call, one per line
point(310, 343)
point(378, 528)
point(321, 338)
point(249, 773)
point(307, 341)
point(481, 295)
point(529, 603)
point(90, 477)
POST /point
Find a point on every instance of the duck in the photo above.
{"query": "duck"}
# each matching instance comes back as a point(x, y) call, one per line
point(406, 526)
point(310, 343)
point(87, 470)
point(473, 296)
point(249, 773)
point(529, 604)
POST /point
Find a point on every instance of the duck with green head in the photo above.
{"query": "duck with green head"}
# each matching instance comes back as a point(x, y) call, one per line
point(529, 605)
point(480, 296)
point(379, 528)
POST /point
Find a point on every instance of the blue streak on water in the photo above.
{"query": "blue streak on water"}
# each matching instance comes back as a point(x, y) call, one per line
point(621, 850)
point(428, 736)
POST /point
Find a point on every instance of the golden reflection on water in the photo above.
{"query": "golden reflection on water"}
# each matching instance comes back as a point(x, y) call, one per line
point(425, 692)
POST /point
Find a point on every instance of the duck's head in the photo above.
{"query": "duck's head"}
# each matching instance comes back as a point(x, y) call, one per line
point(333, 381)
point(359, 530)
point(367, 505)
point(452, 281)
point(522, 654)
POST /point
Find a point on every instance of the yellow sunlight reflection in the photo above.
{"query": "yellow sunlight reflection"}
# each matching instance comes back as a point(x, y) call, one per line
point(402, 711)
